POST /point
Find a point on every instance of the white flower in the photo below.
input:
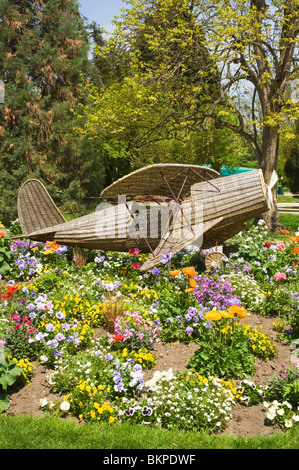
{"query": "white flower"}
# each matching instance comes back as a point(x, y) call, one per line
point(288, 423)
point(280, 412)
point(39, 268)
point(44, 358)
point(295, 418)
point(43, 402)
point(271, 414)
point(65, 406)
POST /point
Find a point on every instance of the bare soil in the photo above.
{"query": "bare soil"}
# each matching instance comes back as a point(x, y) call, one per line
point(246, 420)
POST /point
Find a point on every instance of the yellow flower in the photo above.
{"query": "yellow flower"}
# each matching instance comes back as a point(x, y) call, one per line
point(213, 315)
point(111, 419)
point(226, 314)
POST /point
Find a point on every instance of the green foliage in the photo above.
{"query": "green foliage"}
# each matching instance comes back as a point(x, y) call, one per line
point(285, 385)
point(222, 361)
point(41, 67)
point(154, 81)
point(10, 372)
point(47, 282)
point(291, 170)
point(6, 258)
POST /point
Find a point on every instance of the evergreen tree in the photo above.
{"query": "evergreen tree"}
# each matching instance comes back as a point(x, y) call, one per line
point(44, 49)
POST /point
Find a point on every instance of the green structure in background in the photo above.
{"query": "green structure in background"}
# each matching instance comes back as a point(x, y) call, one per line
point(226, 171)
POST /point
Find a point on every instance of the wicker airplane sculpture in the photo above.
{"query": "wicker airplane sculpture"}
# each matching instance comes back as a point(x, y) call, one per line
point(159, 209)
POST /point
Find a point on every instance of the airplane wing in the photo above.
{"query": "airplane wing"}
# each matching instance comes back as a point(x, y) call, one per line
point(174, 244)
point(156, 180)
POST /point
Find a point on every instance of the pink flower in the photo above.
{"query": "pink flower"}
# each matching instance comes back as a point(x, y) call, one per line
point(279, 276)
point(134, 251)
point(281, 247)
point(267, 244)
point(136, 266)
point(47, 306)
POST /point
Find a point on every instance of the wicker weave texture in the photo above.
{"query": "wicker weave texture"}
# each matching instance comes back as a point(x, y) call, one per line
point(149, 180)
point(36, 208)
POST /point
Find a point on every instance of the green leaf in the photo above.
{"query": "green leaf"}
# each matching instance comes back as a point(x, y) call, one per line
point(4, 268)
point(4, 402)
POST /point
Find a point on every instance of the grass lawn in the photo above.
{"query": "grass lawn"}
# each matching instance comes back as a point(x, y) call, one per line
point(28, 432)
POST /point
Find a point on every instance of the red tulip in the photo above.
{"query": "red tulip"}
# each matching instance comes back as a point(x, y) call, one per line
point(12, 288)
point(117, 337)
point(7, 296)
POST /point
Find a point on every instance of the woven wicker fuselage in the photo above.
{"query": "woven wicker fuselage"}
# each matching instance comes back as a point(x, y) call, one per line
point(222, 209)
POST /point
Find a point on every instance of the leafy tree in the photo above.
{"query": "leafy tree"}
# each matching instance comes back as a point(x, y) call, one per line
point(291, 169)
point(191, 62)
point(44, 50)
point(157, 76)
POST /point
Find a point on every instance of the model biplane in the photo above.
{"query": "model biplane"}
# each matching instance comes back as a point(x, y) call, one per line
point(160, 208)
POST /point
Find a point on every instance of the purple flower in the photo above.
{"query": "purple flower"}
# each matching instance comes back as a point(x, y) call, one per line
point(192, 310)
point(233, 301)
point(155, 271)
point(99, 259)
point(61, 250)
point(60, 337)
point(146, 411)
point(166, 257)
point(189, 330)
point(60, 315)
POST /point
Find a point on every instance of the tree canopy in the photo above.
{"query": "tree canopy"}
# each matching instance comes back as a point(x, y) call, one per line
point(189, 66)
point(44, 52)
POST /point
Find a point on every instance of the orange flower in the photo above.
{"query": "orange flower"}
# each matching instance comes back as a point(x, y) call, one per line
point(213, 315)
point(242, 313)
point(285, 232)
point(234, 309)
point(2, 234)
point(189, 290)
point(192, 282)
point(294, 239)
point(175, 272)
point(189, 271)
point(55, 247)
point(226, 314)
point(50, 243)
point(296, 250)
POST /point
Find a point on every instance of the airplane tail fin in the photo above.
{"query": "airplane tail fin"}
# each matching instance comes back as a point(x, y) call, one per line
point(36, 208)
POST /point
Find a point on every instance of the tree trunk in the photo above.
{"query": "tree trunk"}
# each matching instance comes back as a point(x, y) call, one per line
point(268, 165)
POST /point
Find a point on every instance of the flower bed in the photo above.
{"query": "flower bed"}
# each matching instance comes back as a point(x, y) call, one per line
point(55, 320)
